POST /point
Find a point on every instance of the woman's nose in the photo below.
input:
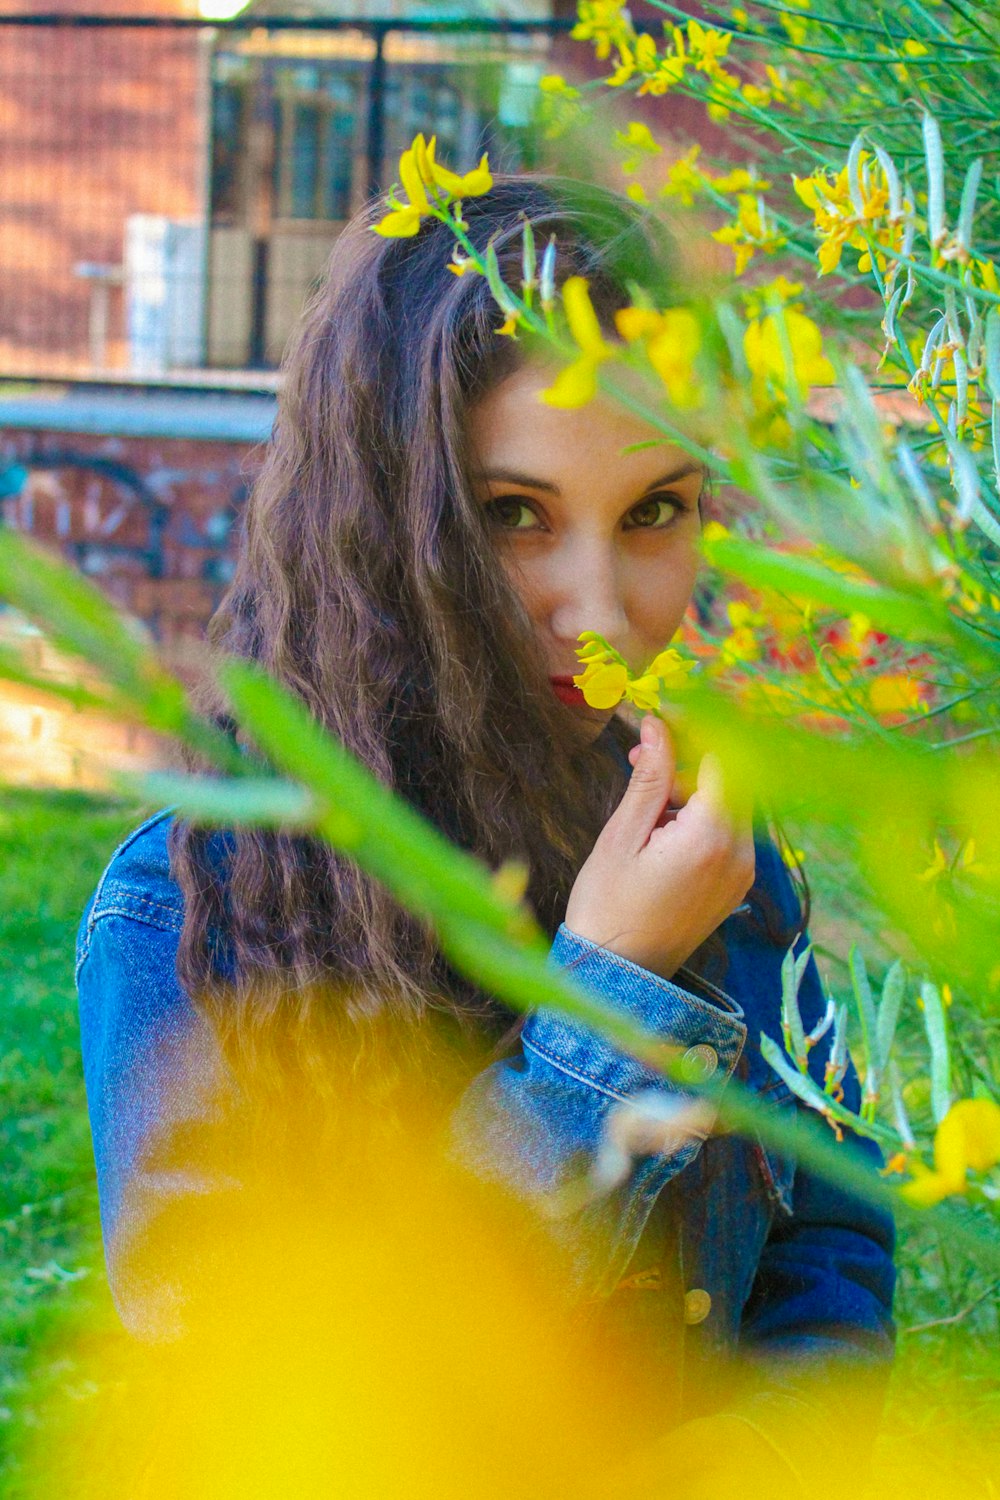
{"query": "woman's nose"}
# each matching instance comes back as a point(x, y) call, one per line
point(587, 594)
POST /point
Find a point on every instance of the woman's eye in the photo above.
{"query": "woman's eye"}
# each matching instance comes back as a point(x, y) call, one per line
point(656, 511)
point(511, 514)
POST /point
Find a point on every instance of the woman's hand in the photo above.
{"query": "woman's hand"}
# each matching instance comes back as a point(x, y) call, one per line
point(658, 880)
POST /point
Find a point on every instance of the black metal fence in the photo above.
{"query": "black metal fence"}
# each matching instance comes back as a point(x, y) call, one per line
point(171, 187)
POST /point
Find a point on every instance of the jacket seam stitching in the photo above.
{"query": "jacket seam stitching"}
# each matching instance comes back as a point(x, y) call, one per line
point(580, 1077)
point(673, 991)
point(144, 905)
point(96, 911)
point(147, 918)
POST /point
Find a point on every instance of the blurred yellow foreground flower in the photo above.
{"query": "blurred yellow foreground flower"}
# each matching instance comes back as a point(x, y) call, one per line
point(577, 383)
point(967, 1139)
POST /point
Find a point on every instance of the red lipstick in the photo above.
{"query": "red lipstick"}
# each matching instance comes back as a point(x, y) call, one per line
point(567, 692)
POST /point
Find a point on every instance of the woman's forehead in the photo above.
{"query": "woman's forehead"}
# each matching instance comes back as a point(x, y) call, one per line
point(513, 433)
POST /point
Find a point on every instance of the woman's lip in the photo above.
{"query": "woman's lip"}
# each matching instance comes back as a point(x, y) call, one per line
point(565, 690)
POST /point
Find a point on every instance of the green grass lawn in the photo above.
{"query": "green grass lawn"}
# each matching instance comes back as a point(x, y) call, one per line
point(52, 850)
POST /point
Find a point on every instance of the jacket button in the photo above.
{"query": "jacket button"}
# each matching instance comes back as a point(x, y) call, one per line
point(702, 1060)
point(697, 1305)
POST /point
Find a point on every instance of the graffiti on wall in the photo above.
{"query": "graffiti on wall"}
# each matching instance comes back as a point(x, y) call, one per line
point(153, 523)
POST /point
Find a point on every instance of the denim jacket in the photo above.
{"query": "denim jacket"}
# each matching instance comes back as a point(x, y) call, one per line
point(771, 1260)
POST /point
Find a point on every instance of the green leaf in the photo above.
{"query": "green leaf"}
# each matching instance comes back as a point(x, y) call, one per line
point(936, 1028)
point(907, 615)
point(247, 801)
point(864, 999)
point(78, 620)
point(803, 1087)
point(893, 991)
point(792, 970)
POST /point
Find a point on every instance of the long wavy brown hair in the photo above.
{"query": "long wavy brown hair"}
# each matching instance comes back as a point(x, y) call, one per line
point(368, 583)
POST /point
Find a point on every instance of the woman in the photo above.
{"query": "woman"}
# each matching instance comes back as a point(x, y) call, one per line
point(424, 545)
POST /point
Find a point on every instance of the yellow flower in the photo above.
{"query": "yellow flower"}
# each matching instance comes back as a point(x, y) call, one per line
point(639, 139)
point(796, 27)
point(937, 867)
point(429, 188)
point(606, 680)
point(756, 299)
point(988, 276)
point(751, 231)
point(603, 22)
point(894, 693)
point(765, 355)
point(637, 192)
point(759, 97)
point(740, 645)
point(684, 180)
point(967, 1139)
point(913, 48)
point(706, 46)
point(603, 684)
point(467, 185)
point(673, 338)
point(739, 180)
point(461, 265)
point(554, 83)
point(577, 383)
point(668, 672)
point(779, 86)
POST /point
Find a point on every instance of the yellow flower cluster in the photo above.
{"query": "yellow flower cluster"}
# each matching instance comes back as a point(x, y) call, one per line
point(967, 1139)
point(606, 23)
point(430, 189)
point(765, 355)
point(750, 231)
point(685, 180)
point(671, 340)
point(637, 139)
point(856, 201)
point(607, 681)
point(699, 47)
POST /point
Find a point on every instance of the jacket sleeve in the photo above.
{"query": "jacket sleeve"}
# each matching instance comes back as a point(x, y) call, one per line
point(533, 1122)
point(151, 1069)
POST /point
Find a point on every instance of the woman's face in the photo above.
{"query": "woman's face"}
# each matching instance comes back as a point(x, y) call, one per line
point(592, 538)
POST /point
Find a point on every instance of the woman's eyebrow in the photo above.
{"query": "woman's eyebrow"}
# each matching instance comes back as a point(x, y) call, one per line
point(514, 476)
point(529, 482)
point(674, 475)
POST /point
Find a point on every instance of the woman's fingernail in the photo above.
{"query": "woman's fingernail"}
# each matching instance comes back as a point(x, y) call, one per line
point(647, 730)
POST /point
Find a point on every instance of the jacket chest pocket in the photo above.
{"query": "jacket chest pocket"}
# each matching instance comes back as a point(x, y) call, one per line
point(776, 1167)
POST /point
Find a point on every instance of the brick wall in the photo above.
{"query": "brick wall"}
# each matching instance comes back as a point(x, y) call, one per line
point(94, 125)
point(150, 519)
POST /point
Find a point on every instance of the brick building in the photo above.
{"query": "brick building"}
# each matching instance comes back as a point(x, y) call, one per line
point(171, 194)
point(96, 126)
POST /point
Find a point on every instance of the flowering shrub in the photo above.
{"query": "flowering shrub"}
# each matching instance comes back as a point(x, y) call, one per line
point(853, 595)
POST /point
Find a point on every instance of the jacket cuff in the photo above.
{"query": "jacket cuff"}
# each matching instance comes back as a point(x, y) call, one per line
point(701, 1017)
